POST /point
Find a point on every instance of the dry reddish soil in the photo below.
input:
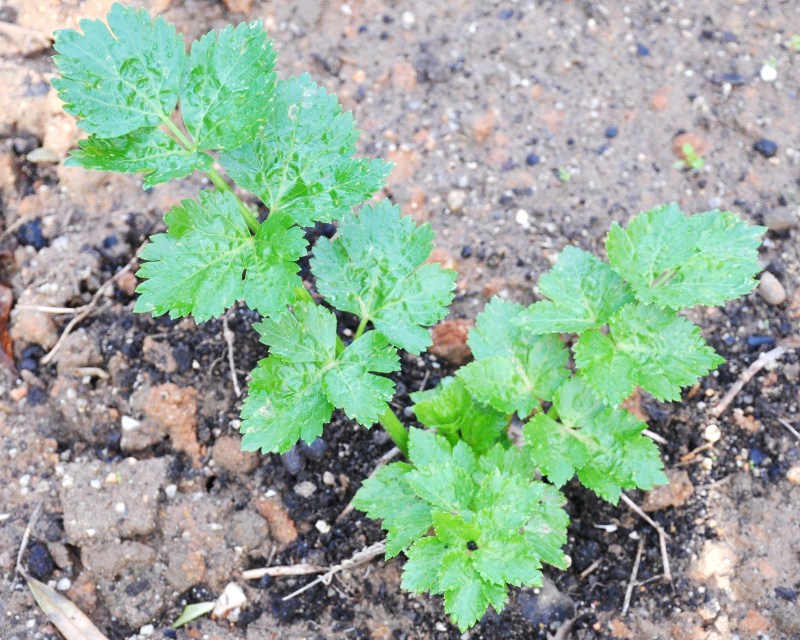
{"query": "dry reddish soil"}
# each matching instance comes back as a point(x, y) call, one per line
point(517, 128)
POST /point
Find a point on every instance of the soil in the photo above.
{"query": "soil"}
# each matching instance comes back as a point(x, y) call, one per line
point(517, 128)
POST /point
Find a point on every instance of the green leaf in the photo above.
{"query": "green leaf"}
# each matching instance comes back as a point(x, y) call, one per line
point(646, 346)
point(373, 268)
point(148, 151)
point(386, 495)
point(363, 396)
point(302, 162)
point(120, 77)
point(513, 370)
point(677, 262)
point(295, 390)
point(227, 86)
point(603, 445)
point(193, 612)
point(455, 413)
point(583, 291)
point(493, 525)
point(208, 260)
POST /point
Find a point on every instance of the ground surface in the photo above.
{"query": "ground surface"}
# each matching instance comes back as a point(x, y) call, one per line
point(517, 128)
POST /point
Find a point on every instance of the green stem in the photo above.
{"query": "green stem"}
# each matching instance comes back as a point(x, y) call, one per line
point(247, 214)
point(361, 326)
point(179, 135)
point(397, 432)
point(213, 175)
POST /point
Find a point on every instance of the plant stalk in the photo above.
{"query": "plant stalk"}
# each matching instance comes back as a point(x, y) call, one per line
point(247, 214)
point(212, 174)
point(361, 326)
point(396, 430)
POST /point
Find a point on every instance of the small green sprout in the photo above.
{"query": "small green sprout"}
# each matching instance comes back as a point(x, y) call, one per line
point(691, 159)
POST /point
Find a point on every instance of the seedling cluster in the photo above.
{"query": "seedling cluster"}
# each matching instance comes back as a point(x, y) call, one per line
point(472, 512)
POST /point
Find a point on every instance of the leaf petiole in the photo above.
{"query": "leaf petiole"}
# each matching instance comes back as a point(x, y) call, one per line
point(396, 430)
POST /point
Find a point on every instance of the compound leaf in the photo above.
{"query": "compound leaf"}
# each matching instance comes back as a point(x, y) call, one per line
point(513, 369)
point(351, 386)
point(678, 262)
point(208, 259)
point(603, 445)
point(149, 151)
point(386, 495)
point(120, 77)
point(302, 162)
point(583, 291)
point(493, 525)
point(295, 390)
point(454, 412)
point(227, 86)
point(646, 346)
point(373, 268)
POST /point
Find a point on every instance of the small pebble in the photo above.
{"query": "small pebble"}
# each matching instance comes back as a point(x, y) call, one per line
point(64, 584)
point(328, 478)
point(322, 526)
point(761, 341)
point(40, 562)
point(793, 474)
point(129, 424)
point(293, 461)
point(781, 218)
point(787, 593)
point(732, 78)
point(305, 489)
point(147, 630)
point(314, 451)
point(30, 234)
point(768, 73)
point(532, 159)
point(506, 14)
point(712, 433)
point(456, 200)
point(766, 148)
point(771, 289)
point(466, 251)
point(407, 19)
point(611, 132)
point(757, 456)
point(523, 219)
point(642, 50)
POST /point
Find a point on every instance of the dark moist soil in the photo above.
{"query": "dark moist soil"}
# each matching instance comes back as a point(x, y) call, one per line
point(517, 129)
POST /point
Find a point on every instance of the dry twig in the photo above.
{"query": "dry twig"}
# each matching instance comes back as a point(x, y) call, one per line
point(662, 535)
point(385, 458)
point(764, 360)
point(790, 428)
point(357, 559)
point(634, 573)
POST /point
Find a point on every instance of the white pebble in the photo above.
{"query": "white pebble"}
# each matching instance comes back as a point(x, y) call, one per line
point(322, 526)
point(328, 478)
point(523, 218)
point(229, 604)
point(96, 484)
point(768, 73)
point(170, 490)
point(408, 19)
point(63, 584)
point(305, 489)
point(147, 630)
point(712, 433)
point(120, 507)
point(129, 424)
